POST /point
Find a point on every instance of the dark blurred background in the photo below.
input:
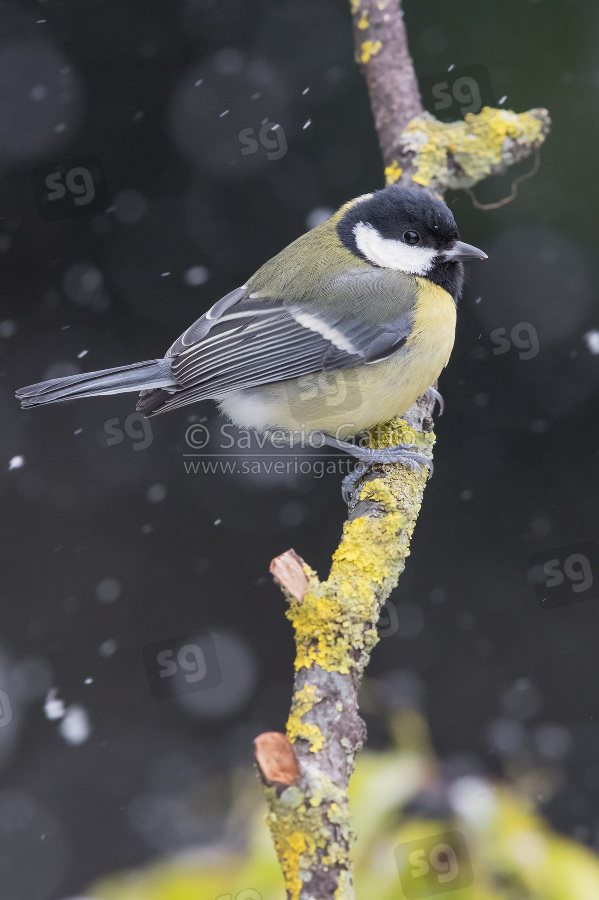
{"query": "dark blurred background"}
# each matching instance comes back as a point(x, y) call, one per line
point(109, 546)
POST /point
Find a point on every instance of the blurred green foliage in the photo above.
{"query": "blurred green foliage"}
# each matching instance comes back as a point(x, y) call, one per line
point(509, 851)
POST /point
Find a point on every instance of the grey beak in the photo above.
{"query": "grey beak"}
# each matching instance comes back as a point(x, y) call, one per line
point(459, 250)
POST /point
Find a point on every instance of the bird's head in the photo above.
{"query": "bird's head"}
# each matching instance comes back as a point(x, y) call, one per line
point(409, 230)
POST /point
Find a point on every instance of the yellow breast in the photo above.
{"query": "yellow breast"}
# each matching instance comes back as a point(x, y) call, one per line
point(433, 334)
point(407, 374)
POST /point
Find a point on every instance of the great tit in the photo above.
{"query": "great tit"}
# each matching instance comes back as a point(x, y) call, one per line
point(342, 330)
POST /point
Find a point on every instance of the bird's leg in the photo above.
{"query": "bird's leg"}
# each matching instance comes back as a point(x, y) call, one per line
point(403, 453)
point(434, 393)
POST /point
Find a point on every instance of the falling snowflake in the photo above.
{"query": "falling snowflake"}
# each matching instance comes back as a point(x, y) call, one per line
point(75, 727)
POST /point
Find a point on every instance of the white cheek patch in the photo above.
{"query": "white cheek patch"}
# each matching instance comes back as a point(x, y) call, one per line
point(392, 254)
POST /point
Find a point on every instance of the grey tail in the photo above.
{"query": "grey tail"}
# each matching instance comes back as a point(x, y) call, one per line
point(153, 373)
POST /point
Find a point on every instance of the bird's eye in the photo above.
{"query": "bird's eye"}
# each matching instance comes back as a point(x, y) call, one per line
point(411, 237)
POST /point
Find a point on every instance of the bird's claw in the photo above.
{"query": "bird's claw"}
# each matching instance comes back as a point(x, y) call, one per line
point(407, 454)
point(435, 395)
point(348, 485)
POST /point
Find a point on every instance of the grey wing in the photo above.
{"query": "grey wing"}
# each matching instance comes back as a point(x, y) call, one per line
point(244, 341)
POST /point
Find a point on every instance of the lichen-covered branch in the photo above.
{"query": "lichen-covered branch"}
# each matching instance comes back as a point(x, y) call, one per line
point(335, 631)
point(460, 154)
point(417, 147)
point(306, 772)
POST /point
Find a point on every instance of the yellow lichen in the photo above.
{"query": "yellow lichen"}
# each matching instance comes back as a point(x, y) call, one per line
point(476, 144)
point(324, 790)
point(345, 890)
point(363, 23)
point(393, 172)
point(303, 702)
point(355, 6)
point(297, 834)
point(368, 50)
point(397, 431)
point(338, 617)
point(296, 844)
point(300, 832)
